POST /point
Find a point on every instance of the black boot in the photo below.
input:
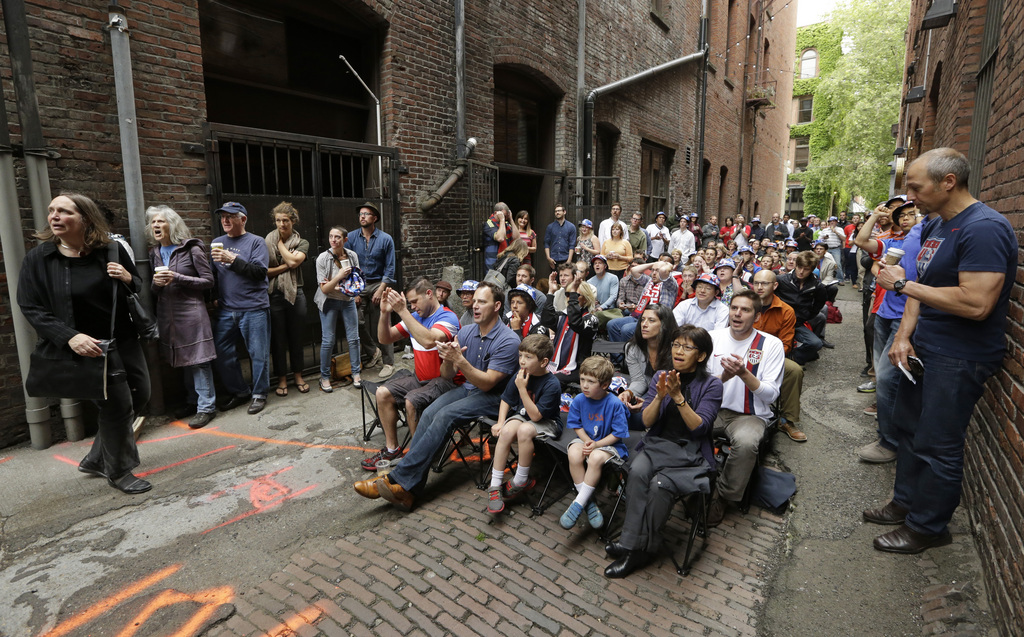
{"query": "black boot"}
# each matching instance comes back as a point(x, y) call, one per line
point(627, 564)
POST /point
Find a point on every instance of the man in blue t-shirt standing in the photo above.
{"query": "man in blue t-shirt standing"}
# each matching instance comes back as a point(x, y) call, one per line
point(559, 239)
point(243, 308)
point(951, 340)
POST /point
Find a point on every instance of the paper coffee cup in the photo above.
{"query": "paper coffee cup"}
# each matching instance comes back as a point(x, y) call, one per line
point(161, 268)
point(217, 246)
point(893, 256)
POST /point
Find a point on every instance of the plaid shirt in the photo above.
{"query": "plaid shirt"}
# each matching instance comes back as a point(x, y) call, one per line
point(630, 289)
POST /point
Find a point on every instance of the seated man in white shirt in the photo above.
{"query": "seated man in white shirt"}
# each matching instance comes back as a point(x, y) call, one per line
point(750, 364)
point(703, 310)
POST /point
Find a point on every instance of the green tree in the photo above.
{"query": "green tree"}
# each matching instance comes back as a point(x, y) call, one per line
point(863, 92)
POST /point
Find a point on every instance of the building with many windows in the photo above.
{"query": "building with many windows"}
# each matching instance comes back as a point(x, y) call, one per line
point(432, 109)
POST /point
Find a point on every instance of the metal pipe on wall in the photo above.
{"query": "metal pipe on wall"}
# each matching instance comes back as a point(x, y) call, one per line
point(131, 164)
point(12, 240)
point(37, 174)
point(705, 25)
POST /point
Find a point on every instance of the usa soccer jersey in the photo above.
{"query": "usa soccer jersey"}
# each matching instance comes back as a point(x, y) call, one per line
point(428, 361)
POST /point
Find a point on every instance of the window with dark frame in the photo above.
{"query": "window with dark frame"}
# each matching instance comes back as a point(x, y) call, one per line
point(655, 165)
point(806, 111)
point(659, 11)
point(803, 154)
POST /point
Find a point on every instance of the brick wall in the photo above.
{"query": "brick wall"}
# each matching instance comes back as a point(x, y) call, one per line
point(75, 89)
point(416, 77)
point(995, 450)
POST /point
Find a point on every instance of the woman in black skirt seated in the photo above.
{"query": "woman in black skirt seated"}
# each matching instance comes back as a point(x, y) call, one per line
point(675, 455)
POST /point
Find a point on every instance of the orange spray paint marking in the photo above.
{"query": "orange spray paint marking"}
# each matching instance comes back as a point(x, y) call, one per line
point(210, 600)
point(3, 460)
point(106, 605)
point(265, 506)
point(293, 443)
point(71, 462)
point(185, 435)
point(181, 462)
point(264, 493)
point(306, 617)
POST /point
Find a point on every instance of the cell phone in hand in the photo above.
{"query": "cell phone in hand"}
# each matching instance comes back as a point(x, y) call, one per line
point(916, 367)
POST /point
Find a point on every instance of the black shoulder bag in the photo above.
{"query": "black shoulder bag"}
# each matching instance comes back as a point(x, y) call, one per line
point(145, 323)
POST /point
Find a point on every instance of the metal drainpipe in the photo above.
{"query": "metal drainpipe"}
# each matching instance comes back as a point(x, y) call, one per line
point(36, 170)
point(581, 74)
point(430, 201)
point(588, 106)
point(12, 239)
point(705, 24)
point(380, 133)
point(131, 164)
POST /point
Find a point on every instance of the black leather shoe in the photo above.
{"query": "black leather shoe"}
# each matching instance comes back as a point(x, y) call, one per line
point(130, 484)
point(235, 401)
point(625, 565)
point(257, 406)
point(92, 469)
point(891, 513)
point(615, 550)
point(908, 541)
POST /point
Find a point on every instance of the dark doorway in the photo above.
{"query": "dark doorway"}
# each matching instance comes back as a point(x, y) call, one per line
point(521, 192)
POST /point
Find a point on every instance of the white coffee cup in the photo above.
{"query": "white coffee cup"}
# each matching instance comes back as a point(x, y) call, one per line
point(160, 268)
point(893, 256)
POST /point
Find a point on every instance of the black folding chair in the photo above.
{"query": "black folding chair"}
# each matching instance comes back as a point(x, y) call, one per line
point(368, 396)
point(460, 439)
point(763, 449)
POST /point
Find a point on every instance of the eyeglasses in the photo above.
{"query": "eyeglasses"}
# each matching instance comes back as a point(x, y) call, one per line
point(685, 346)
point(367, 214)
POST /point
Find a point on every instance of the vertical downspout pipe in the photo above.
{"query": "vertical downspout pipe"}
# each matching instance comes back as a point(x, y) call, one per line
point(12, 240)
point(131, 164)
point(380, 133)
point(706, 47)
point(36, 170)
point(460, 80)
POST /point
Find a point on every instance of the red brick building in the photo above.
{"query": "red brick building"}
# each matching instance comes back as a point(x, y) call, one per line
point(964, 89)
point(249, 101)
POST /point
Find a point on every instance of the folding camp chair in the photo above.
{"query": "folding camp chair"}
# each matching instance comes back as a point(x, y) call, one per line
point(368, 396)
point(461, 440)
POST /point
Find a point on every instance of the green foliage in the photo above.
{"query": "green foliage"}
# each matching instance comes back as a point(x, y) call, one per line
point(856, 101)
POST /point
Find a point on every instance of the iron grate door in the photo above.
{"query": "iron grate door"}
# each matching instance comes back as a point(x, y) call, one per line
point(483, 194)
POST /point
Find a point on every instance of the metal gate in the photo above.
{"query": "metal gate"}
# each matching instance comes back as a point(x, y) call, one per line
point(325, 179)
point(483, 194)
point(604, 191)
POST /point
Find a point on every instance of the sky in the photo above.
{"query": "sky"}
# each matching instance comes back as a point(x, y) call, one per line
point(812, 11)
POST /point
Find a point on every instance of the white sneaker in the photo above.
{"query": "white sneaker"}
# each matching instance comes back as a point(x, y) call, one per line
point(875, 453)
point(386, 371)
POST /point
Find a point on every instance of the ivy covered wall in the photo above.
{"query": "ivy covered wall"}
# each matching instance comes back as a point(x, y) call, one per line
point(826, 39)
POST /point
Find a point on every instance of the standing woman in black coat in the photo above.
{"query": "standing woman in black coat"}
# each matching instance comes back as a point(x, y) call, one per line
point(65, 292)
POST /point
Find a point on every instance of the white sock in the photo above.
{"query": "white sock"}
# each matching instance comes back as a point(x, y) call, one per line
point(496, 478)
point(584, 491)
point(522, 475)
point(390, 450)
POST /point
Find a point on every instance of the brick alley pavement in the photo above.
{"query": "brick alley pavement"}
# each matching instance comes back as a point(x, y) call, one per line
point(446, 568)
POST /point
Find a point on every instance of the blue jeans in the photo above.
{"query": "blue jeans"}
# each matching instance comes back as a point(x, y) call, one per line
point(346, 308)
point(199, 380)
point(254, 328)
point(886, 380)
point(850, 265)
point(931, 421)
point(432, 431)
point(621, 329)
point(810, 344)
point(837, 254)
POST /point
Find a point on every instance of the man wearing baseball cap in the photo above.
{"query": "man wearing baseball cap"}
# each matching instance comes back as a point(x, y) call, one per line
point(376, 251)
point(660, 235)
point(835, 238)
point(465, 313)
point(243, 308)
point(703, 310)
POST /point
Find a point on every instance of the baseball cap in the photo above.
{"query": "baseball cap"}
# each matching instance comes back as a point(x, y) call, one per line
point(233, 208)
point(819, 242)
point(468, 286)
point(599, 256)
point(661, 214)
point(709, 278)
point(746, 249)
point(897, 199)
point(725, 263)
point(791, 243)
point(526, 292)
point(833, 218)
point(444, 285)
point(899, 209)
point(756, 220)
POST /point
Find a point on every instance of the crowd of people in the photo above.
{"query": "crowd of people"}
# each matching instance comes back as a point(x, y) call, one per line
point(717, 323)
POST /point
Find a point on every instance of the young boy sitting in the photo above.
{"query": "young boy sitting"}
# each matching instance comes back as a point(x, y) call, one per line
point(533, 399)
point(601, 422)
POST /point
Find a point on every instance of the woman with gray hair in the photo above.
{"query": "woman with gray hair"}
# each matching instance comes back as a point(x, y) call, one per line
point(181, 274)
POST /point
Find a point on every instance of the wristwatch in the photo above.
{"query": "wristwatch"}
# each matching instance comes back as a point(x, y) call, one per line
point(898, 286)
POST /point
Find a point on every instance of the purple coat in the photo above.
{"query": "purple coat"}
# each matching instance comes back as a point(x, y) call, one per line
point(186, 336)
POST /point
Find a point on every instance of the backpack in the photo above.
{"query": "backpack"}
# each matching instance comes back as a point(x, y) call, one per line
point(834, 315)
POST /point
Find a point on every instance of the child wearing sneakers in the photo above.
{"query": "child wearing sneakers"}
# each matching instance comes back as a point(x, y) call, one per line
point(533, 399)
point(601, 422)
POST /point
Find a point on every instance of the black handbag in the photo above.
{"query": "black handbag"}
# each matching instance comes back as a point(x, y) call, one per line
point(144, 321)
point(79, 378)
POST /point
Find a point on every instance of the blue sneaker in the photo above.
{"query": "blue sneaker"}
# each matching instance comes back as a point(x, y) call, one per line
point(568, 519)
point(594, 515)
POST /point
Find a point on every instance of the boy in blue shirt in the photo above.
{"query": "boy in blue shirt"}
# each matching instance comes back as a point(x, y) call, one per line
point(601, 422)
point(534, 400)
